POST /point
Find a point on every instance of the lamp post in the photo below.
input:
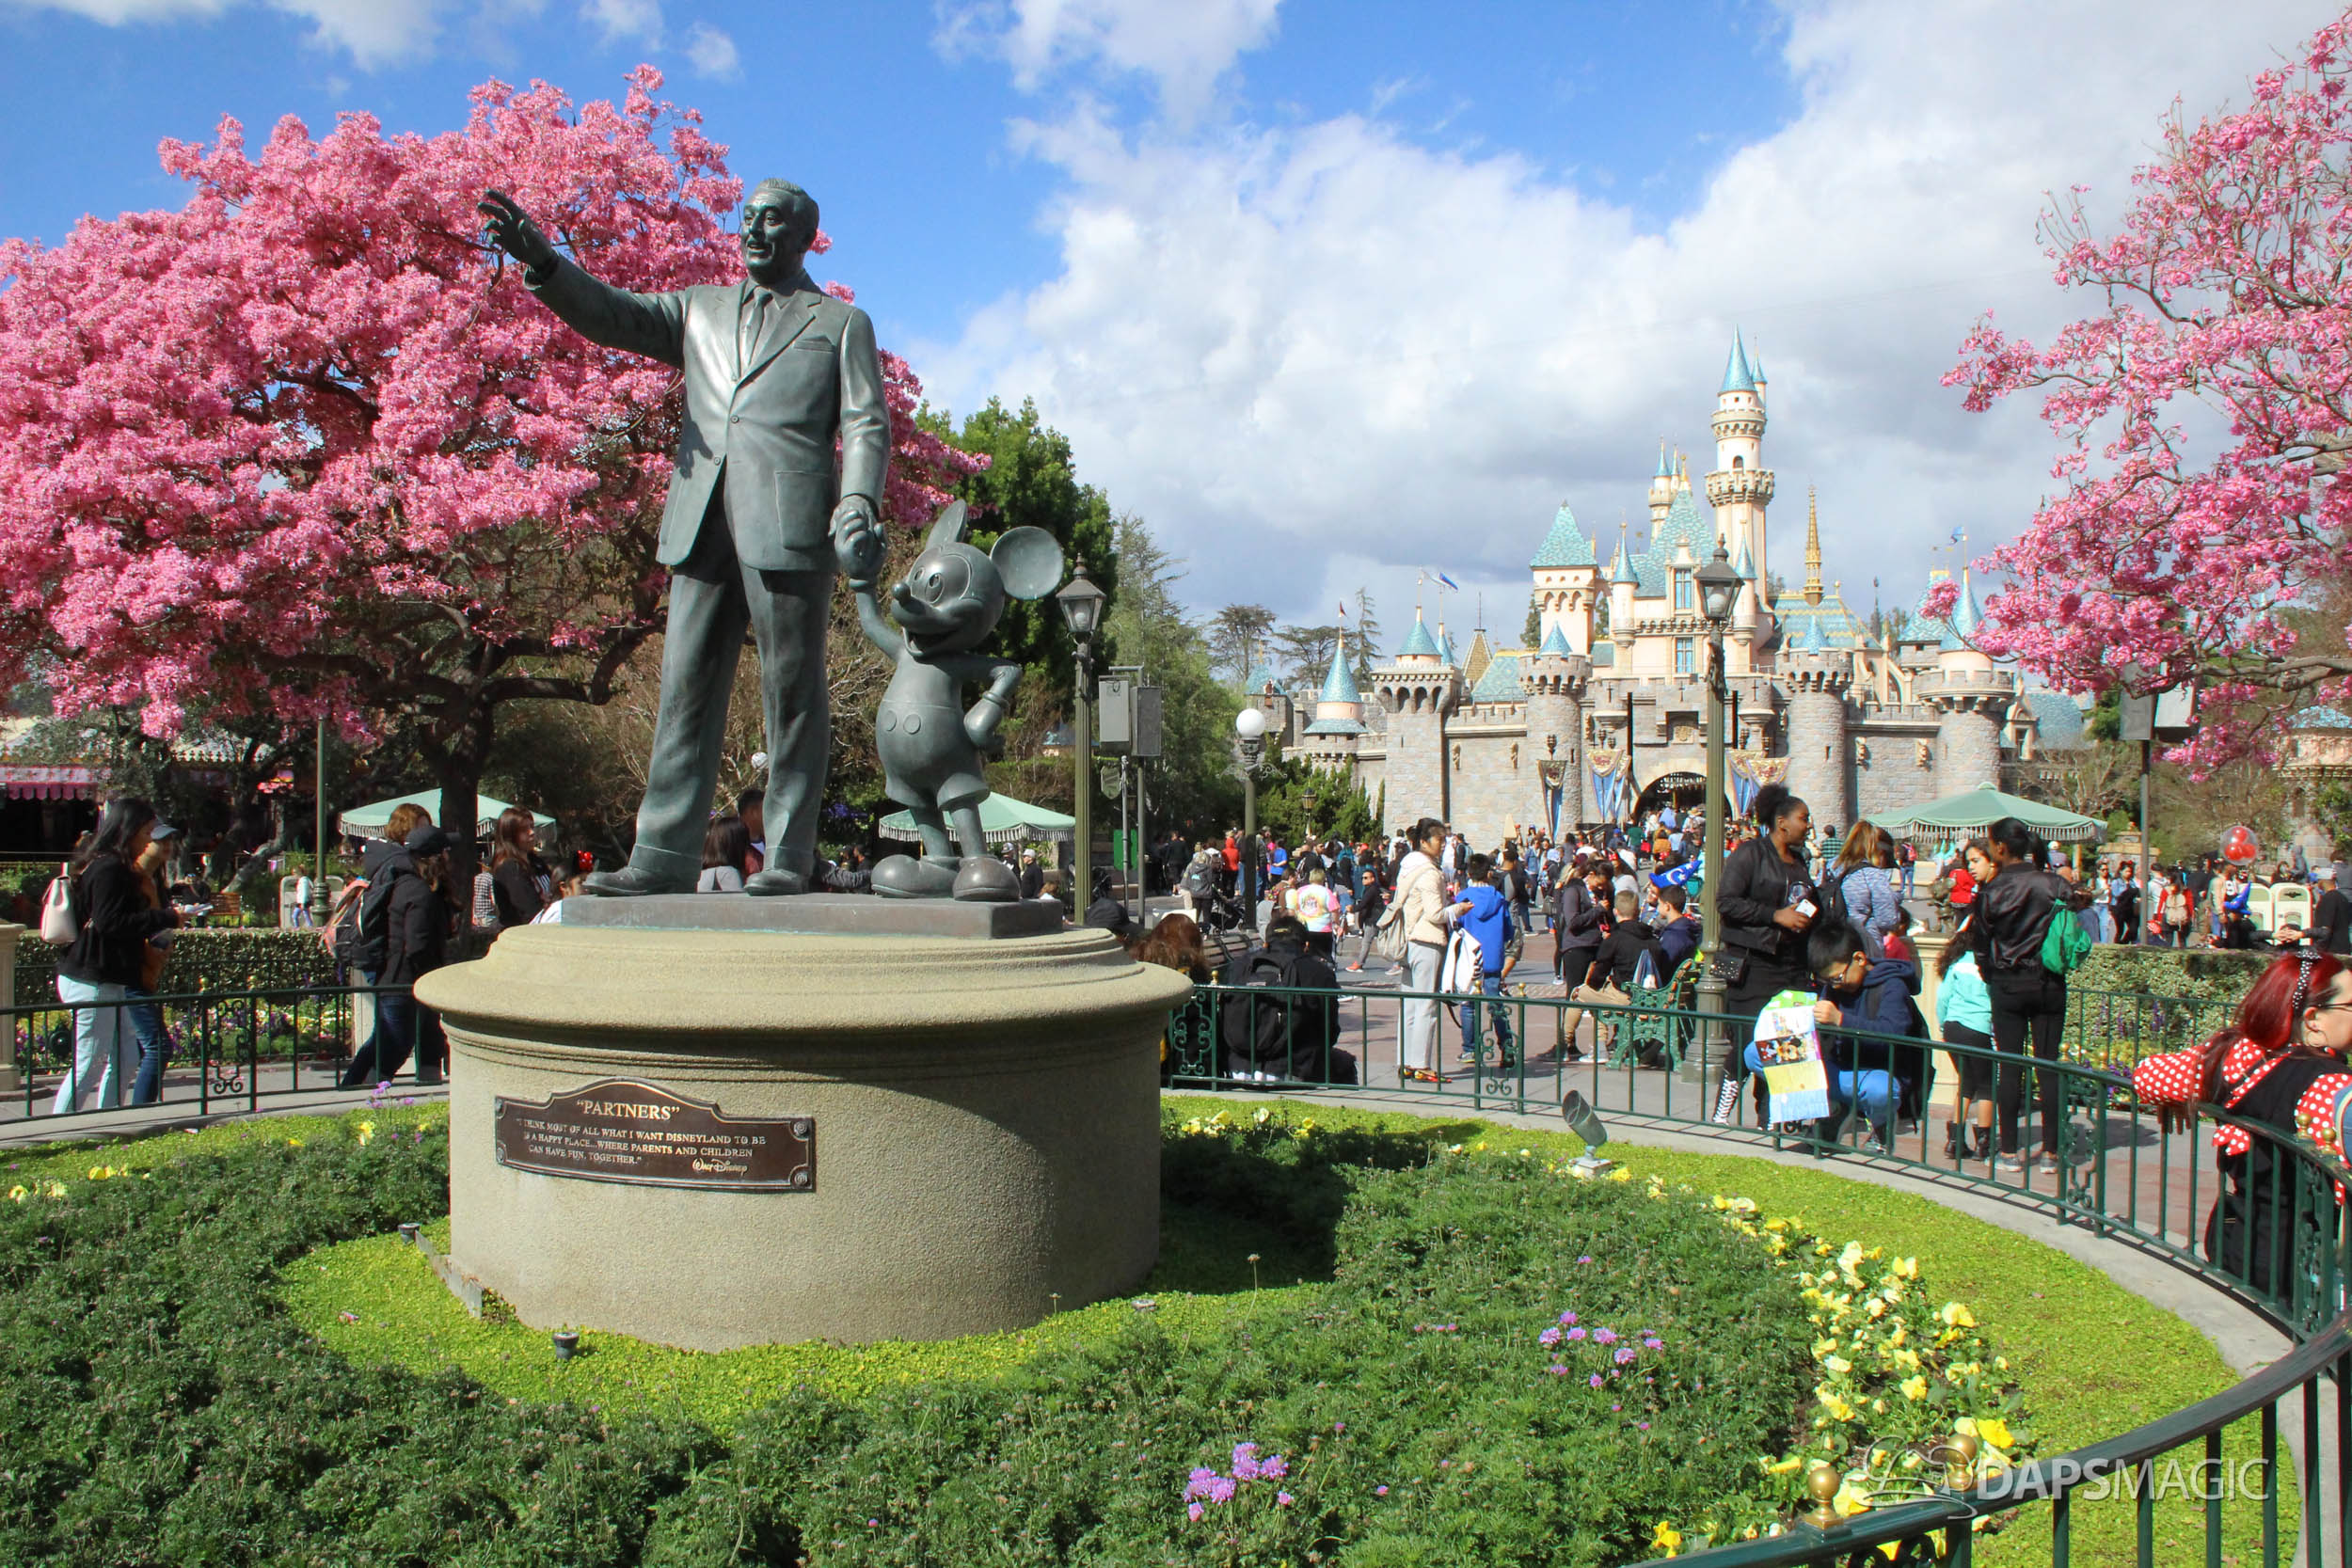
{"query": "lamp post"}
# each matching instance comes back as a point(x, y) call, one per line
point(318, 844)
point(1719, 589)
point(1249, 726)
point(1081, 604)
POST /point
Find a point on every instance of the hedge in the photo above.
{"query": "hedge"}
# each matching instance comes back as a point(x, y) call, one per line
point(2202, 975)
point(1507, 1367)
point(203, 957)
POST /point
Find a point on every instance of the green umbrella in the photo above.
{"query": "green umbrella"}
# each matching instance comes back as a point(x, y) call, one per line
point(1981, 807)
point(1003, 820)
point(368, 821)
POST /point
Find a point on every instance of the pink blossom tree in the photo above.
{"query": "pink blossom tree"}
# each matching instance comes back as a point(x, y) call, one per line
point(306, 447)
point(2204, 414)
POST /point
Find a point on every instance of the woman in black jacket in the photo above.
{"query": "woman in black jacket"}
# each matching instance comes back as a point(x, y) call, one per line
point(416, 942)
point(113, 921)
point(518, 877)
point(1767, 903)
point(2013, 913)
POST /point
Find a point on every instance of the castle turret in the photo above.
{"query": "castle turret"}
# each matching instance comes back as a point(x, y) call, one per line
point(1567, 577)
point(1817, 676)
point(1745, 616)
point(1419, 689)
point(1662, 487)
point(1971, 700)
point(1554, 679)
point(1812, 547)
point(1741, 488)
point(1622, 582)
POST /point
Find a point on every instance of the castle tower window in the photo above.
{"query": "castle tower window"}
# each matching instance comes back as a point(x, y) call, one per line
point(1685, 658)
point(1683, 601)
point(1739, 462)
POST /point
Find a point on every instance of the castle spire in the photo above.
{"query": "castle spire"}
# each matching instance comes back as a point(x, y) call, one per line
point(1812, 547)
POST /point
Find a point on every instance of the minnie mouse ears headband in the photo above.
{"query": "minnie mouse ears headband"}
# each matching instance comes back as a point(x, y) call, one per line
point(2302, 984)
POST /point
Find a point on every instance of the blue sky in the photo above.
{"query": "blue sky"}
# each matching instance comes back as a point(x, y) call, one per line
point(901, 135)
point(1328, 293)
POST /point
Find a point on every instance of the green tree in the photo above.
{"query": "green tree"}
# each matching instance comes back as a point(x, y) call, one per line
point(1032, 481)
point(1532, 634)
point(1239, 637)
point(1306, 653)
point(1342, 807)
point(1365, 635)
point(1192, 783)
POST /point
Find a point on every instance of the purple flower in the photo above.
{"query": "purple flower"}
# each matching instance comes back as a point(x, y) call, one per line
point(1604, 1336)
point(1339, 1426)
point(1641, 1426)
point(873, 1524)
point(1221, 1490)
point(1245, 1462)
point(1653, 1343)
point(1283, 1500)
point(1197, 1486)
point(1625, 1354)
point(1273, 1468)
point(1193, 1511)
point(1594, 1380)
point(1617, 1407)
point(1586, 1258)
point(1557, 1369)
point(1379, 1491)
point(1549, 1337)
point(1566, 1319)
point(1576, 1333)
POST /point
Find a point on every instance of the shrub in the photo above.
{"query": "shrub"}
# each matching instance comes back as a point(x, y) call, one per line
point(203, 957)
point(1428, 1405)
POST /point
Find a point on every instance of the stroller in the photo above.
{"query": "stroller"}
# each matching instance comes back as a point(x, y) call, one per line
point(1225, 914)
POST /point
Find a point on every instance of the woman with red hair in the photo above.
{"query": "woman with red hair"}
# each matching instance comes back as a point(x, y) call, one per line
point(2284, 1054)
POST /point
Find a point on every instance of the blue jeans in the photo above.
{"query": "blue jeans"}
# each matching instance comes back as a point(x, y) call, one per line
point(1491, 983)
point(147, 1023)
point(1874, 1088)
point(102, 1046)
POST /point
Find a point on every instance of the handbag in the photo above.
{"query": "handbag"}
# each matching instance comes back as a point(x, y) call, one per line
point(1730, 967)
point(59, 926)
point(1389, 938)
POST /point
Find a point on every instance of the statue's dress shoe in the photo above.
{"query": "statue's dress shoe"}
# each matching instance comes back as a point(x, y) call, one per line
point(634, 881)
point(904, 877)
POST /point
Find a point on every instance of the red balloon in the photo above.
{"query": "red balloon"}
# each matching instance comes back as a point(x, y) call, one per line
point(2239, 846)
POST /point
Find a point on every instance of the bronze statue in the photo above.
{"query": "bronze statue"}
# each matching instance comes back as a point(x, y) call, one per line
point(775, 371)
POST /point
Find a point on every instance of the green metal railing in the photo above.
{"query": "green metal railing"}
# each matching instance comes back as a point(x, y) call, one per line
point(2120, 1172)
point(222, 1051)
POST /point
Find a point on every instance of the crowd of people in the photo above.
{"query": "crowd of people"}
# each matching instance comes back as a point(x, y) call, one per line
point(1826, 926)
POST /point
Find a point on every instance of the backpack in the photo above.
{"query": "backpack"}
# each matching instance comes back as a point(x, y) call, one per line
point(364, 945)
point(1829, 894)
point(1281, 1037)
point(2065, 944)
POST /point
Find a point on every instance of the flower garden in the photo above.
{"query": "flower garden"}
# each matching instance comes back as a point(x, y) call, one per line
point(1372, 1339)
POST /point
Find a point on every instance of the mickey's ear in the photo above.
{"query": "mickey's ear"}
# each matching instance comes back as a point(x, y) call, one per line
point(1029, 562)
point(948, 527)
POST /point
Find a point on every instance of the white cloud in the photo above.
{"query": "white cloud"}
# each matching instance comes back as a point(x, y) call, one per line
point(1184, 48)
point(625, 20)
point(371, 32)
point(711, 53)
point(1319, 344)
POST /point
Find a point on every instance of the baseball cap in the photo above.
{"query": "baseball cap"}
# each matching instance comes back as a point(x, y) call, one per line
point(160, 830)
point(428, 840)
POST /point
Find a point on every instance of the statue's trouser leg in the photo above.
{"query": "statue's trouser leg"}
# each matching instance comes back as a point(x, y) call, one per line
point(788, 614)
point(708, 617)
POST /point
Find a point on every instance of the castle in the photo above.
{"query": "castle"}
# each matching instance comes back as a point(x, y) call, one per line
point(1602, 721)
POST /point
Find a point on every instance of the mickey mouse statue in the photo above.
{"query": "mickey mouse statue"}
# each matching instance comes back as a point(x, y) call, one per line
point(946, 604)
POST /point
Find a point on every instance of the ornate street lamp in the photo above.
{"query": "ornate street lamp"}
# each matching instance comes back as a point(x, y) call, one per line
point(1249, 731)
point(1081, 604)
point(1718, 588)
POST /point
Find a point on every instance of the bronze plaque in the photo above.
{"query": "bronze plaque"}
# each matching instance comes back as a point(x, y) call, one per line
point(622, 1130)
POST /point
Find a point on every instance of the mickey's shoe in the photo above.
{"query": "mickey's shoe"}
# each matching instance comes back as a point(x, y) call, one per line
point(904, 877)
point(986, 880)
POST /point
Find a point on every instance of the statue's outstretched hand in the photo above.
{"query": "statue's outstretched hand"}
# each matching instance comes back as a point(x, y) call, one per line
point(511, 229)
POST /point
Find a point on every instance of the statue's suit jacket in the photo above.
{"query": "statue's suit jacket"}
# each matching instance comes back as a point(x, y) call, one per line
point(762, 425)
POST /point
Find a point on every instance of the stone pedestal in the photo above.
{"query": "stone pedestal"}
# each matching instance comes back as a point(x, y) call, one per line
point(11, 1079)
point(899, 1120)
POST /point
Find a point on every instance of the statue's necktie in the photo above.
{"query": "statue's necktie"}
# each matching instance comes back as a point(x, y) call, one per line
point(754, 319)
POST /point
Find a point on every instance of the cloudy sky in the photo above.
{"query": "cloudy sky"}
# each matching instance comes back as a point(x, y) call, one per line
point(1329, 290)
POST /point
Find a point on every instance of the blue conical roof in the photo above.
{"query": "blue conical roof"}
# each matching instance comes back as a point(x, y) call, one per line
point(1565, 544)
point(1665, 464)
point(1739, 376)
point(1621, 570)
point(1741, 564)
point(1816, 640)
point(1556, 646)
point(1446, 650)
point(1967, 619)
point(1340, 685)
point(1419, 644)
